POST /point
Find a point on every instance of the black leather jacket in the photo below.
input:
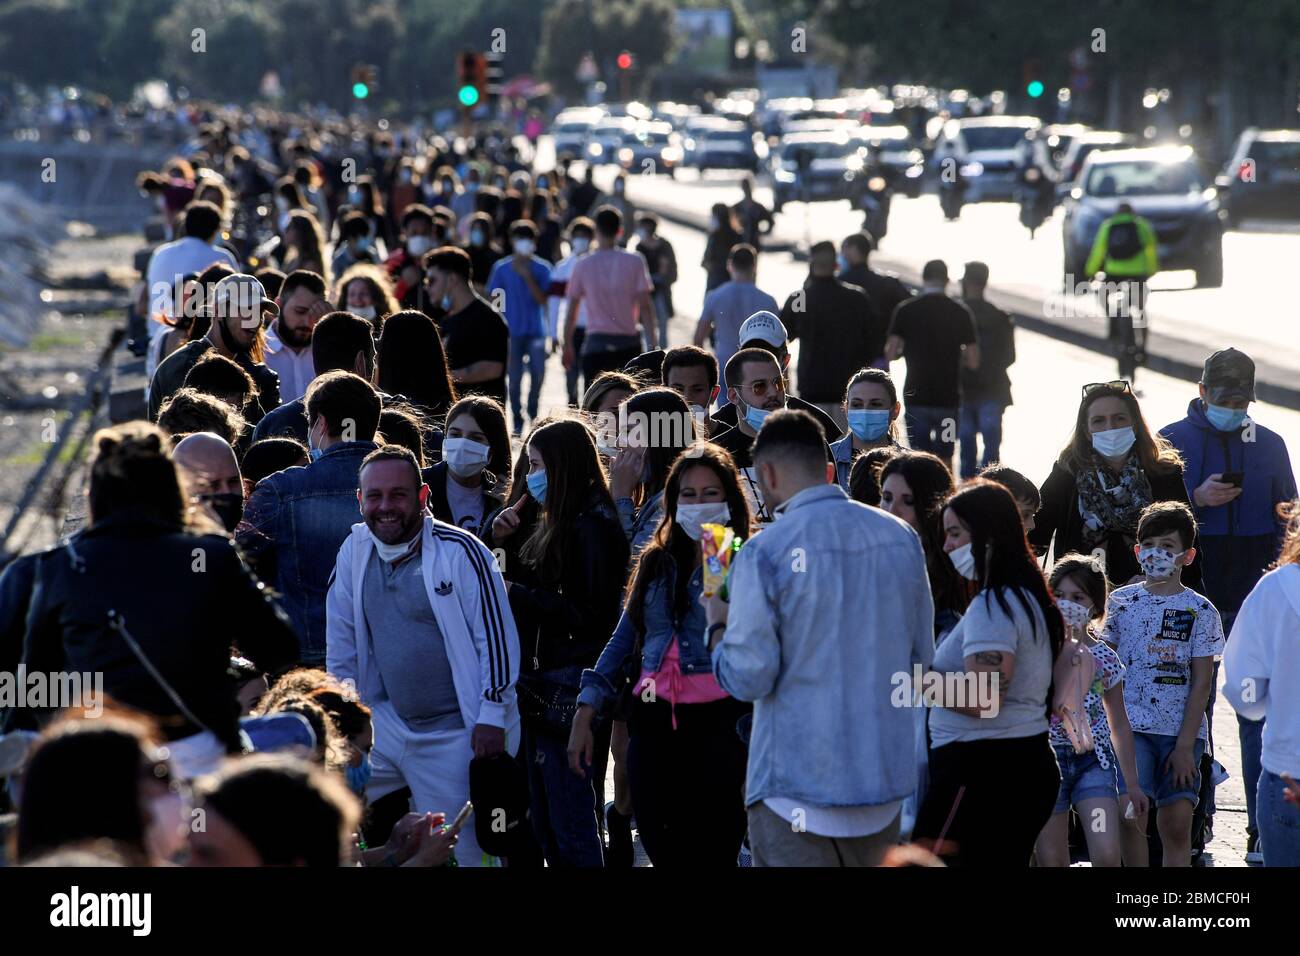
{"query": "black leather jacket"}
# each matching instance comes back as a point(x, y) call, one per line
point(184, 598)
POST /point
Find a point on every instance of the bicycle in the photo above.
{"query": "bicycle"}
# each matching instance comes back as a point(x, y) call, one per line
point(1124, 300)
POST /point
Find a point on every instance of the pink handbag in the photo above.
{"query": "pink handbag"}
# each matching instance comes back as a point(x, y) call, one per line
point(1072, 675)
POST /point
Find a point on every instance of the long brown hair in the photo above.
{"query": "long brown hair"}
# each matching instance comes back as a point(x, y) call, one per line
point(670, 545)
point(1156, 453)
point(1289, 512)
point(574, 477)
point(381, 291)
point(931, 482)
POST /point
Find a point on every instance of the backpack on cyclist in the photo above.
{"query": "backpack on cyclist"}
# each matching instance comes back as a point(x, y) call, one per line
point(1123, 241)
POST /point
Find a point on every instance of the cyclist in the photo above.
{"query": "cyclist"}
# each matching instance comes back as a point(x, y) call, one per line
point(1124, 252)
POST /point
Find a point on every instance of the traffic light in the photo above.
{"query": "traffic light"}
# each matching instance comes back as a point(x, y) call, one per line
point(471, 78)
point(625, 60)
point(1034, 86)
point(364, 80)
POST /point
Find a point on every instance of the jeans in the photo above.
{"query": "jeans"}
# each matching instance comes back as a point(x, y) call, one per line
point(563, 810)
point(563, 804)
point(980, 418)
point(1279, 823)
point(1083, 778)
point(573, 376)
point(1251, 735)
point(532, 348)
point(663, 314)
point(931, 429)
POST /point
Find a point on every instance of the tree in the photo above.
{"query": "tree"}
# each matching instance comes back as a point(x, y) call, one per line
point(604, 28)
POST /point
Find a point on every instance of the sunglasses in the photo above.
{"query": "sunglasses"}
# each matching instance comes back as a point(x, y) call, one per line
point(1120, 385)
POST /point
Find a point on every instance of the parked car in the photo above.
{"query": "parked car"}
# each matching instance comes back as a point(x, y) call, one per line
point(1262, 179)
point(1164, 185)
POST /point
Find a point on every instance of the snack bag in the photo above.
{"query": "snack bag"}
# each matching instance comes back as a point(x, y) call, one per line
point(720, 545)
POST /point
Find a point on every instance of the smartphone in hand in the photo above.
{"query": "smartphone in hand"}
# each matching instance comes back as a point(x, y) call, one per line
point(1234, 478)
point(461, 817)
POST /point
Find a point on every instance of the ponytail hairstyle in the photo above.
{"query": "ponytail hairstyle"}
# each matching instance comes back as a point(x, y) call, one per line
point(132, 472)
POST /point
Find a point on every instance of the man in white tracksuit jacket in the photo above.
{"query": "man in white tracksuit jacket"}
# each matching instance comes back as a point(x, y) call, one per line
point(434, 653)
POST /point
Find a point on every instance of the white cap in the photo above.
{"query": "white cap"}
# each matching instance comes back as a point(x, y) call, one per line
point(765, 326)
point(241, 292)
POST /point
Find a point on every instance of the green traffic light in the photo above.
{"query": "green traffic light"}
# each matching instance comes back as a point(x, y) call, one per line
point(468, 96)
point(360, 90)
point(1035, 89)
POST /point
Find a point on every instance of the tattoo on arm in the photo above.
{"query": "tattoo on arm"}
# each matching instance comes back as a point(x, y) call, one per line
point(990, 658)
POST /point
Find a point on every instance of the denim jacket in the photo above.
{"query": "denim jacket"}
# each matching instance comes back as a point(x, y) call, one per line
point(297, 519)
point(830, 609)
point(639, 524)
point(601, 684)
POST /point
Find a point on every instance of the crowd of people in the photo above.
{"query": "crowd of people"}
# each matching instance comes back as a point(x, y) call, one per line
point(358, 599)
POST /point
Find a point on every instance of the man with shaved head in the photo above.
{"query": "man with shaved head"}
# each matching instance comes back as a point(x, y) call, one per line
point(212, 474)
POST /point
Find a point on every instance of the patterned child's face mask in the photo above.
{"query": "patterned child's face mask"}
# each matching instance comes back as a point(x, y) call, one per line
point(1076, 615)
point(1158, 562)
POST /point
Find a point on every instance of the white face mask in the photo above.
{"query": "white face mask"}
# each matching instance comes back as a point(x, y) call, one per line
point(580, 245)
point(963, 559)
point(168, 824)
point(1075, 615)
point(691, 518)
point(1158, 562)
point(391, 552)
point(524, 247)
point(464, 456)
point(418, 245)
point(364, 311)
point(1114, 442)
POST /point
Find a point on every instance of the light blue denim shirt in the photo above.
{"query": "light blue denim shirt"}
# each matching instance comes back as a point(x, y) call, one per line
point(639, 524)
point(829, 605)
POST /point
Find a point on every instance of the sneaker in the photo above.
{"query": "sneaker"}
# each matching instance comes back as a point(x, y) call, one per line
point(1253, 855)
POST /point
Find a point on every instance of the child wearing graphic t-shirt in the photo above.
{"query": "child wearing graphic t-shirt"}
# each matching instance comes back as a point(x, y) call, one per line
point(1167, 637)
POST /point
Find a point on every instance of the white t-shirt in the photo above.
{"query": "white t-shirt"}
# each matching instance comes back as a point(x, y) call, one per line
point(1265, 645)
point(1156, 638)
point(170, 263)
point(557, 306)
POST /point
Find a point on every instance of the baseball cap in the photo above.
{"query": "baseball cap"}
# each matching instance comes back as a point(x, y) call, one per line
point(1228, 374)
point(240, 291)
point(765, 326)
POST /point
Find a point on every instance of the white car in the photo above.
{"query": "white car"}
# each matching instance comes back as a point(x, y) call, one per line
point(571, 130)
point(606, 139)
point(986, 151)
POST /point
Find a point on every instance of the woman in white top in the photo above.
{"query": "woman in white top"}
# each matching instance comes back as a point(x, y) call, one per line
point(1263, 656)
point(993, 775)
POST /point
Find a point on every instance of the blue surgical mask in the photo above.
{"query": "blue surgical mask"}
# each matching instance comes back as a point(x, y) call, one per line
point(1225, 419)
point(537, 486)
point(1113, 442)
point(446, 302)
point(868, 424)
point(755, 416)
point(841, 263)
point(312, 450)
point(359, 776)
